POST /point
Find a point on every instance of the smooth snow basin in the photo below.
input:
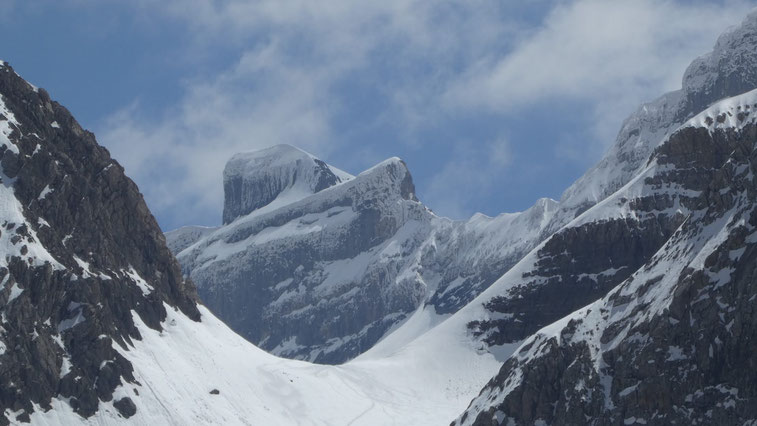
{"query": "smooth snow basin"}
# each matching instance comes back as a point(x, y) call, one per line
point(427, 382)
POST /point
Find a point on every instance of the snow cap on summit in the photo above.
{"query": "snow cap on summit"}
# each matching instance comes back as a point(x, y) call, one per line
point(255, 179)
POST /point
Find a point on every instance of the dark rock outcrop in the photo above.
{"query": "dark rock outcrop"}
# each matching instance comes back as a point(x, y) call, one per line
point(79, 249)
point(674, 343)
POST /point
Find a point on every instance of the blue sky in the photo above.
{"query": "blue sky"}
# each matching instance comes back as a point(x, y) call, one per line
point(492, 104)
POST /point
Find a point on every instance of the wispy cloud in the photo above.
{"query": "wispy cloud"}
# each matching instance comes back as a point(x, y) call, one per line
point(306, 67)
point(474, 170)
point(611, 54)
point(321, 75)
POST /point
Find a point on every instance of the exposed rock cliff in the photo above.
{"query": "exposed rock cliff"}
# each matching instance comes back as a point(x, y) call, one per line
point(80, 251)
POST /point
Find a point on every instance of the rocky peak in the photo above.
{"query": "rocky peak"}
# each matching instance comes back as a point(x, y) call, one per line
point(82, 257)
point(391, 174)
point(282, 173)
point(728, 70)
point(667, 345)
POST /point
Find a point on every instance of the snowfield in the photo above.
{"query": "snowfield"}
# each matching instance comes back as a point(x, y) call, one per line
point(427, 382)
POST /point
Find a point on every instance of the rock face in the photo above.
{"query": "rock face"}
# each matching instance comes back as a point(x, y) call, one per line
point(79, 248)
point(673, 343)
point(325, 276)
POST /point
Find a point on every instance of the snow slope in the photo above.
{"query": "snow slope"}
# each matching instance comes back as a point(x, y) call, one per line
point(180, 366)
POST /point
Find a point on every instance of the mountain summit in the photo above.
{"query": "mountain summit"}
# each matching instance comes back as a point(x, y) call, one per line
point(277, 175)
point(323, 274)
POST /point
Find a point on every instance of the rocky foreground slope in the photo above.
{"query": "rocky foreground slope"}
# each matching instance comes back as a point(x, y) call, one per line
point(80, 254)
point(675, 342)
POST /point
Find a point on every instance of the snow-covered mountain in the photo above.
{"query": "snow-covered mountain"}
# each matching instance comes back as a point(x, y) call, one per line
point(728, 70)
point(340, 299)
point(650, 266)
point(675, 342)
point(591, 250)
point(684, 185)
point(98, 326)
point(323, 275)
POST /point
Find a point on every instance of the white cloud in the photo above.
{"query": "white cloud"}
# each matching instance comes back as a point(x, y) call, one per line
point(612, 54)
point(428, 61)
point(284, 87)
point(473, 170)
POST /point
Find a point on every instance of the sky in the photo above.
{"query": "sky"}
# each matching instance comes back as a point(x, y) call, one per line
point(492, 104)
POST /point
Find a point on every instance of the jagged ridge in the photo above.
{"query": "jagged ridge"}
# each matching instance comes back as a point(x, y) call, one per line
point(325, 277)
point(79, 247)
point(672, 343)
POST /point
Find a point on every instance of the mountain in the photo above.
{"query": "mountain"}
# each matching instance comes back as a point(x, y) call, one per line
point(661, 242)
point(597, 242)
point(674, 343)
point(83, 263)
point(728, 70)
point(340, 299)
point(326, 270)
point(98, 326)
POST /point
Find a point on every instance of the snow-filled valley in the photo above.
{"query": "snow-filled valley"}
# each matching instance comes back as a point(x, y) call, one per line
point(426, 383)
